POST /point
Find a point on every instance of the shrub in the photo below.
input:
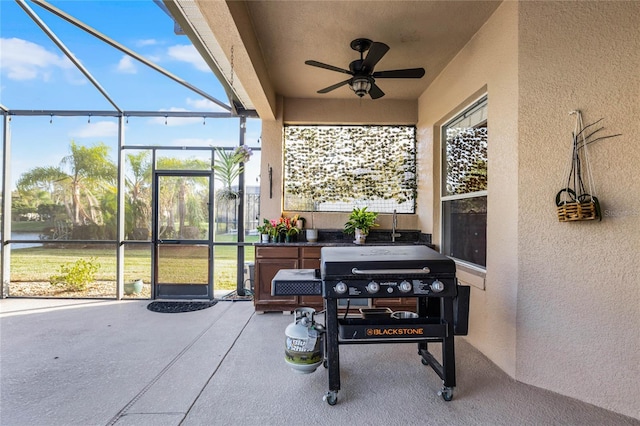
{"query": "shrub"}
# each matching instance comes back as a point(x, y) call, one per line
point(75, 276)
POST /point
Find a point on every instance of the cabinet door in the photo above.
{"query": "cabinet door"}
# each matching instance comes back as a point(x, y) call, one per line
point(311, 260)
point(311, 253)
point(266, 269)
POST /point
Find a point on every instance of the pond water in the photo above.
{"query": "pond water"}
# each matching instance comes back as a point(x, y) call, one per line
point(25, 236)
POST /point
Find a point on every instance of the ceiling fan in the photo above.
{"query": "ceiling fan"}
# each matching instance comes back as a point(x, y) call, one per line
point(364, 78)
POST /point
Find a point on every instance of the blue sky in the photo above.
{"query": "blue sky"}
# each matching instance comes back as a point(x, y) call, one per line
point(36, 75)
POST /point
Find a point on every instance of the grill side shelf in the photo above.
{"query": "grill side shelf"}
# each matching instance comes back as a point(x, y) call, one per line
point(296, 282)
point(391, 330)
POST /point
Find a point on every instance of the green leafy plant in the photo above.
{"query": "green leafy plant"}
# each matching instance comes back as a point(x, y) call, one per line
point(360, 218)
point(227, 168)
point(265, 228)
point(75, 276)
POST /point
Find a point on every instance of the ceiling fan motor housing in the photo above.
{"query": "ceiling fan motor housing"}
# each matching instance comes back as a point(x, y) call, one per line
point(356, 66)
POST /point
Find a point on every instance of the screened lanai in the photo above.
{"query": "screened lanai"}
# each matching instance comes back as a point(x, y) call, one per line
point(121, 165)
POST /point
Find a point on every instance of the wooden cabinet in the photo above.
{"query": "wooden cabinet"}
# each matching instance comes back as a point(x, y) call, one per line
point(310, 259)
point(269, 260)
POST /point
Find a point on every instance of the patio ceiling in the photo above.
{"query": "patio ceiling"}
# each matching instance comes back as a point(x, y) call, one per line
point(267, 42)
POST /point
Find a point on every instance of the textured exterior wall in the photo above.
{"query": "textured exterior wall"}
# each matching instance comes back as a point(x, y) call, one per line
point(350, 111)
point(271, 154)
point(487, 64)
point(578, 322)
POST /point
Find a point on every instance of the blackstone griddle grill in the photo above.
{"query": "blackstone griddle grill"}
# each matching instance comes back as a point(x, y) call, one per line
point(408, 271)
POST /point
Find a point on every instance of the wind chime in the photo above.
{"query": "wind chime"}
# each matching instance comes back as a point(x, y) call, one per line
point(577, 199)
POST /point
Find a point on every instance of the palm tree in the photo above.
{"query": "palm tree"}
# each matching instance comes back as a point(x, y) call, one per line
point(226, 169)
point(138, 192)
point(82, 177)
point(182, 197)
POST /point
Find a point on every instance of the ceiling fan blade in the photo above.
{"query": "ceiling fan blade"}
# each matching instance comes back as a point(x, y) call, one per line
point(327, 67)
point(376, 52)
point(407, 73)
point(375, 92)
point(335, 86)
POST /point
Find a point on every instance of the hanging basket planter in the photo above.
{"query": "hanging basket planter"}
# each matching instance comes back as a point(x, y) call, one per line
point(576, 210)
point(577, 200)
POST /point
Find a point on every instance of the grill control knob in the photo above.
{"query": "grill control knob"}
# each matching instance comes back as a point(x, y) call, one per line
point(405, 286)
point(437, 286)
point(340, 288)
point(373, 287)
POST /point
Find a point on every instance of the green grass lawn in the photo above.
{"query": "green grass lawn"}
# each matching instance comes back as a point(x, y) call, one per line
point(37, 264)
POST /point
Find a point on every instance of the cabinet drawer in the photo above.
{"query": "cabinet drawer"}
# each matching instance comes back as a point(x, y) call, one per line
point(310, 252)
point(277, 252)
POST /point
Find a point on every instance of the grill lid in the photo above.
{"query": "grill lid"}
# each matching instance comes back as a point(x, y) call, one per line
point(340, 261)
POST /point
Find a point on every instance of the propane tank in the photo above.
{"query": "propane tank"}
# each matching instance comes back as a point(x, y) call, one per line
point(304, 349)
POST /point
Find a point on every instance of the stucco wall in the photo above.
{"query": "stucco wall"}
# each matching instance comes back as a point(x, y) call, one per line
point(487, 64)
point(271, 158)
point(578, 322)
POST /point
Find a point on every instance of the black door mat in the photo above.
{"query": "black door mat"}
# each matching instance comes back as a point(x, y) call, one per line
point(177, 307)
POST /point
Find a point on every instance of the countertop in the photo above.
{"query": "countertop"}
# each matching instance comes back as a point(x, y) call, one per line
point(336, 237)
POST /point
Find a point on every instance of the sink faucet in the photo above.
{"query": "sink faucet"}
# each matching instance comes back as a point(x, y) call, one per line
point(394, 225)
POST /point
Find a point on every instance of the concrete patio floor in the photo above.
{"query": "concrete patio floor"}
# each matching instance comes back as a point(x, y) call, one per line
point(91, 362)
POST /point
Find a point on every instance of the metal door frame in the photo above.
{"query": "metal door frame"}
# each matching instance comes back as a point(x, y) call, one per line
point(156, 242)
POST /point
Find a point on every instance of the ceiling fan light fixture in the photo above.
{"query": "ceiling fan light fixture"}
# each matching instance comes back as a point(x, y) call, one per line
point(361, 85)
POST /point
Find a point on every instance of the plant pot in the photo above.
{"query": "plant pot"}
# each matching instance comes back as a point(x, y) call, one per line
point(360, 236)
point(133, 287)
point(264, 238)
point(312, 235)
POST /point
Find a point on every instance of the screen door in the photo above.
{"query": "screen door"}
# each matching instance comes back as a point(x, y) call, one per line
point(182, 235)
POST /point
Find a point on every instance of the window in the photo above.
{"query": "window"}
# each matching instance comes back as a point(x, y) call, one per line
point(464, 185)
point(337, 168)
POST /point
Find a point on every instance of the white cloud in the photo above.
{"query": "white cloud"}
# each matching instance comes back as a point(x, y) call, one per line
point(97, 129)
point(204, 104)
point(24, 60)
point(146, 42)
point(189, 54)
point(127, 65)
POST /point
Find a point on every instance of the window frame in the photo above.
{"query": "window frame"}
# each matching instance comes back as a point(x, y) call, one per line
point(479, 104)
point(379, 204)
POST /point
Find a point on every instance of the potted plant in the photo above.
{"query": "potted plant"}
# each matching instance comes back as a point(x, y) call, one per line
point(264, 230)
point(287, 228)
point(274, 230)
point(290, 233)
point(360, 222)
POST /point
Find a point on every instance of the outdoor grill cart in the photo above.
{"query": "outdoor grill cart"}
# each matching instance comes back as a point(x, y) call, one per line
point(349, 273)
